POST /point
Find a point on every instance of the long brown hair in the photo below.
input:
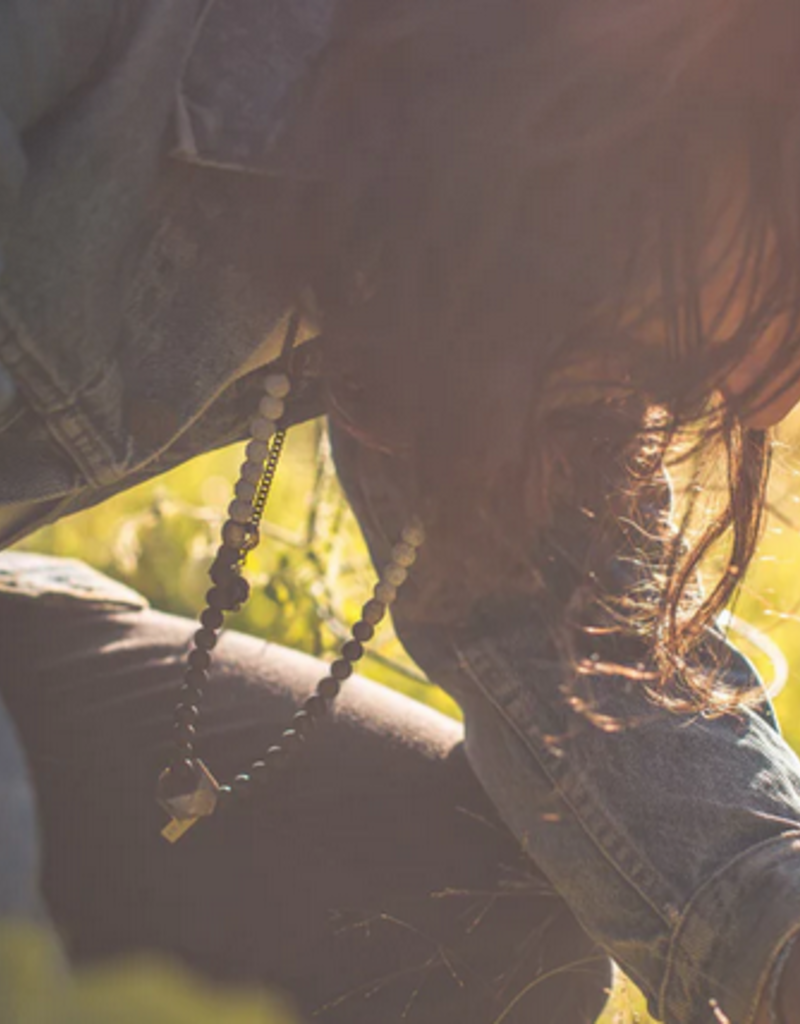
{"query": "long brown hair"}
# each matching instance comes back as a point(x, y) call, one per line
point(540, 233)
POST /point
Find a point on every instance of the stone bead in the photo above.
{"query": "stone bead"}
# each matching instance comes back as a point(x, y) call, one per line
point(251, 472)
point(363, 631)
point(352, 650)
point(186, 714)
point(262, 428)
point(385, 592)
point(341, 669)
point(224, 796)
point(233, 534)
point(205, 639)
point(240, 511)
point(184, 734)
point(260, 772)
point(226, 555)
point(221, 573)
point(414, 534)
point(257, 452)
point(199, 661)
point(212, 618)
point(215, 598)
point(271, 408)
point(291, 741)
point(276, 758)
point(373, 611)
point(394, 574)
point(190, 694)
point(315, 706)
point(241, 784)
point(404, 554)
point(244, 491)
point(302, 723)
point(328, 688)
point(278, 385)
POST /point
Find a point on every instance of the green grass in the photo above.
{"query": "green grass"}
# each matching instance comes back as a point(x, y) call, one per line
point(312, 573)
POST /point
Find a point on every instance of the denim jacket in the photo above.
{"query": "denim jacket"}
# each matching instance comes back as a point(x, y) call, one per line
point(137, 144)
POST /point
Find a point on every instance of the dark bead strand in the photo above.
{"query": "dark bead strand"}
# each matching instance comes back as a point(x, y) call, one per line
point(230, 591)
point(315, 706)
point(205, 639)
point(200, 660)
point(353, 650)
point(212, 618)
point(341, 669)
point(302, 723)
point(328, 688)
point(363, 632)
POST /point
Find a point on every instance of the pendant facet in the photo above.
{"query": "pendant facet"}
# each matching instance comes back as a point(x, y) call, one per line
point(186, 795)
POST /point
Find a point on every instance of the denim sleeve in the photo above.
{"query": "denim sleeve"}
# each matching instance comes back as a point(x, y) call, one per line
point(675, 839)
point(46, 51)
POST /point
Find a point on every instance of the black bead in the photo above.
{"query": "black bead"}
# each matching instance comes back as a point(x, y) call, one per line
point(260, 772)
point(186, 714)
point(328, 688)
point(190, 694)
point(206, 639)
point(352, 650)
point(302, 723)
point(276, 758)
point(341, 669)
point(291, 741)
point(226, 555)
point(240, 589)
point(196, 675)
point(184, 734)
point(221, 573)
point(241, 784)
point(216, 597)
point(212, 618)
point(229, 530)
point(376, 607)
point(363, 632)
point(181, 776)
point(224, 796)
point(201, 660)
point(315, 706)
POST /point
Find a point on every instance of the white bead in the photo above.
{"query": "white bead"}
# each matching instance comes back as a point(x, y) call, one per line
point(414, 534)
point(245, 491)
point(385, 592)
point(256, 452)
point(262, 428)
point(271, 408)
point(278, 385)
point(251, 472)
point(394, 574)
point(404, 554)
point(240, 511)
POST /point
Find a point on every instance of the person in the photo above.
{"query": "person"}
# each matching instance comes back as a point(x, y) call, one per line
point(542, 244)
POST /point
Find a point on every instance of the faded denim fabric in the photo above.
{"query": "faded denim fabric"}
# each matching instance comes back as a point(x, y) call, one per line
point(135, 295)
point(674, 839)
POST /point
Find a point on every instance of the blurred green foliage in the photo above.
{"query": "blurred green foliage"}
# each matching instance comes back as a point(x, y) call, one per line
point(36, 989)
point(312, 574)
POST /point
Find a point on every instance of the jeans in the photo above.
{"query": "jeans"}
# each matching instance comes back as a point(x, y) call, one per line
point(374, 882)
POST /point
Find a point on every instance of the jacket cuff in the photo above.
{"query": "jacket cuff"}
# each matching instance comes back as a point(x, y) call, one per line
point(731, 935)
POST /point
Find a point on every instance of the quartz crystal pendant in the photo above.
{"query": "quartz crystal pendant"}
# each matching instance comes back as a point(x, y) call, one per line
point(186, 799)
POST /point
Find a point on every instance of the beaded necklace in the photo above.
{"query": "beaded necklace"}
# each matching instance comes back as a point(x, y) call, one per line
point(187, 790)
